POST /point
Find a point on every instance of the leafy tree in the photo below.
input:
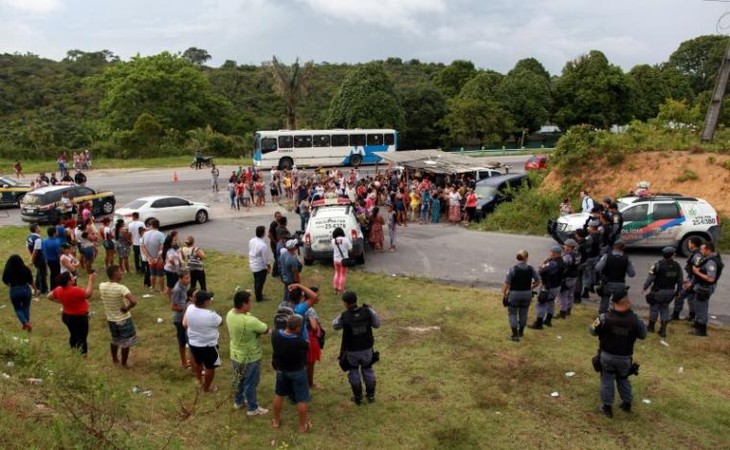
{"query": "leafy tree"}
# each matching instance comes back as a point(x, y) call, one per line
point(700, 60)
point(453, 77)
point(482, 86)
point(197, 56)
point(366, 99)
point(291, 83)
point(679, 113)
point(476, 122)
point(525, 93)
point(424, 107)
point(592, 91)
point(532, 65)
point(653, 85)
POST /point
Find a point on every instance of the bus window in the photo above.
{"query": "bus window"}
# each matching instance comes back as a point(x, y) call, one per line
point(268, 145)
point(286, 142)
point(357, 140)
point(340, 140)
point(389, 139)
point(302, 141)
point(321, 140)
point(375, 139)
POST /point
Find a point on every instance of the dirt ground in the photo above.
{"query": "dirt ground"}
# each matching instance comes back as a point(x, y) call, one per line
point(665, 171)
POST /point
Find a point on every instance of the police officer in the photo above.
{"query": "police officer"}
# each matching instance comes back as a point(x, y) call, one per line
point(593, 254)
point(606, 229)
point(357, 323)
point(551, 274)
point(580, 238)
point(517, 293)
point(693, 243)
point(612, 269)
point(665, 279)
point(617, 331)
point(617, 222)
point(706, 273)
point(571, 261)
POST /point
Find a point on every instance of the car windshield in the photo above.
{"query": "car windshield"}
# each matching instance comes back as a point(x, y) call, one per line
point(622, 205)
point(135, 204)
point(486, 191)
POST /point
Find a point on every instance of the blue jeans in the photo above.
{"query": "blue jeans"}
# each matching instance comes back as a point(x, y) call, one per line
point(246, 379)
point(20, 296)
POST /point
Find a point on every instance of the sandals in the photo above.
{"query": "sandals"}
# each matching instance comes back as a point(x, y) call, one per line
point(306, 428)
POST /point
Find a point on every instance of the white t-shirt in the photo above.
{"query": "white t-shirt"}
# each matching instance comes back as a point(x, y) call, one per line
point(133, 228)
point(258, 254)
point(345, 246)
point(202, 326)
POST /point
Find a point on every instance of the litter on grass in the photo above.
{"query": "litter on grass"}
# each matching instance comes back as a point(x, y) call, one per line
point(664, 343)
point(420, 330)
point(569, 374)
point(647, 401)
point(560, 337)
point(555, 394)
point(680, 370)
point(159, 320)
point(3, 306)
point(147, 296)
point(5, 375)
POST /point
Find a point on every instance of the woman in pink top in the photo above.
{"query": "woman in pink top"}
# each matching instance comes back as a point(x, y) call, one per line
point(471, 204)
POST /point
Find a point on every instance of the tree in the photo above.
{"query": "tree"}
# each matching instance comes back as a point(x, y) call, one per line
point(291, 84)
point(700, 59)
point(366, 99)
point(525, 93)
point(453, 77)
point(424, 107)
point(653, 85)
point(592, 91)
point(477, 122)
point(197, 56)
point(482, 86)
point(532, 65)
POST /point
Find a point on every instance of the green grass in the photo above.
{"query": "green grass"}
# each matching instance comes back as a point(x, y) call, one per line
point(464, 385)
point(33, 167)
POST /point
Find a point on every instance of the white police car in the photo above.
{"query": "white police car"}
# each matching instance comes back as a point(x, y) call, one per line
point(656, 221)
point(327, 215)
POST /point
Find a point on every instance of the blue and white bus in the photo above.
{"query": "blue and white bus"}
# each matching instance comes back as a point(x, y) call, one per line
point(286, 148)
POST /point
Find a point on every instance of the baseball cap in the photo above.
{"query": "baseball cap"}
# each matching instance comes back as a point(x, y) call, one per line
point(291, 244)
point(570, 243)
point(556, 249)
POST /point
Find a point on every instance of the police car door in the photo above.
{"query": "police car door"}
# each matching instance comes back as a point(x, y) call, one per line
point(636, 219)
point(667, 219)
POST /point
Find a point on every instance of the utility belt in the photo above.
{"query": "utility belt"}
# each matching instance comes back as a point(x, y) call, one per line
point(598, 367)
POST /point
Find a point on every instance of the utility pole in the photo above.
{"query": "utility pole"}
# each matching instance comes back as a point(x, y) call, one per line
point(713, 111)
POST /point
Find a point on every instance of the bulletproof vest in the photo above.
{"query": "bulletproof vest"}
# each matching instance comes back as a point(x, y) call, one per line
point(357, 330)
point(666, 274)
point(571, 270)
point(615, 269)
point(703, 268)
point(595, 245)
point(619, 331)
point(521, 278)
point(555, 278)
point(691, 260)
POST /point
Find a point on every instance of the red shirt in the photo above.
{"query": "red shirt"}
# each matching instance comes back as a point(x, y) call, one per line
point(471, 200)
point(73, 300)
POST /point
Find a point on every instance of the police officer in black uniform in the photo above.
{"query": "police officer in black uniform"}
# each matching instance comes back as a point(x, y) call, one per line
point(612, 269)
point(665, 279)
point(593, 254)
point(571, 262)
point(617, 331)
point(517, 293)
point(693, 243)
point(551, 274)
point(617, 222)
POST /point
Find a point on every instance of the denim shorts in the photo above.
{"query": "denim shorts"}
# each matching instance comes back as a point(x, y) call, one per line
point(294, 385)
point(182, 335)
point(123, 333)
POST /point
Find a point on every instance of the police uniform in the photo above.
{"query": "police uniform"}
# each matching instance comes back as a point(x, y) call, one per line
point(709, 266)
point(693, 260)
point(613, 268)
point(593, 254)
point(520, 279)
point(617, 332)
point(571, 262)
point(665, 279)
point(551, 274)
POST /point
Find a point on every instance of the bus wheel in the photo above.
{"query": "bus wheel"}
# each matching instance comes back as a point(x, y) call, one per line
point(355, 160)
point(286, 163)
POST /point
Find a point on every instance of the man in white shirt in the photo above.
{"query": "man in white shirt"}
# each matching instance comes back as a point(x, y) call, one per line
point(258, 260)
point(134, 228)
point(586, 202)
point(151, 248)
point(202, 324)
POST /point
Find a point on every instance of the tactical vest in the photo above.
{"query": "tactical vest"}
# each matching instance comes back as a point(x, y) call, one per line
point(357, 329)
point(666, 273)
point(718, 266)
point(615, 269)
point(594, 248)
point(571, 270)
point(554, 279)
point(619, 331)
point(521, 278)
point(691, 260)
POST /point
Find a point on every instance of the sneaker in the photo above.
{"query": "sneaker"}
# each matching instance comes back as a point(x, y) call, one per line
point(238, 405)
point(257, 412)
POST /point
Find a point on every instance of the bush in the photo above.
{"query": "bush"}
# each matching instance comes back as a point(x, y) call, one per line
point(687, 175)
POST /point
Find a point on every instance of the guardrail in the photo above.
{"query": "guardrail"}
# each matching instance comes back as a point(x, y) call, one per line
point(502, 151)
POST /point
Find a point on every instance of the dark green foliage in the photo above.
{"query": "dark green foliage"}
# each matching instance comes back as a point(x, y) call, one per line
point(424, 107)
point(453, 77)
point(699, 60)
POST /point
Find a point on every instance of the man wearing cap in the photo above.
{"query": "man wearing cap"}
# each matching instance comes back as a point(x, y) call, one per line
point(517, 293)
point(551, 274)
point(693, 244)
point(617, 331)
point(612, 269)
point(289, 267)
point(706, 273)
point(665, 279)
point(571, 261)
point(593, 254)
point(202, 324)
point(289, 359)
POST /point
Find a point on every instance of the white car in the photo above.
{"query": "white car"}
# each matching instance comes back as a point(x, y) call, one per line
point(655, 221)
point(167, 209)
point(327, 215)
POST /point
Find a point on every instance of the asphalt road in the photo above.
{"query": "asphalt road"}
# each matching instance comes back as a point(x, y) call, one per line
point(440, 252)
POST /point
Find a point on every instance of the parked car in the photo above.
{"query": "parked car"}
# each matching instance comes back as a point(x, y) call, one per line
point(42, 205)
point(536, 162)
point(167, 209)
point(495, 190)
point(480, 173)
point(12, 191)
point(654, 221)
point(327, 215)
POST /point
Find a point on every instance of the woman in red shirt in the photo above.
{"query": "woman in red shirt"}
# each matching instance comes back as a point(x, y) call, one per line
point(471, 204)
point(75, 303)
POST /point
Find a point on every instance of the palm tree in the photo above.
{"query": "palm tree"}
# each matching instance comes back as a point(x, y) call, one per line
point(291, 83)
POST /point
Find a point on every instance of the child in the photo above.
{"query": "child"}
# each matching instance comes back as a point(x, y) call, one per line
point(392, 226)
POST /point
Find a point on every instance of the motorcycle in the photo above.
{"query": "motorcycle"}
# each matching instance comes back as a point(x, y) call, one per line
point(201, 161)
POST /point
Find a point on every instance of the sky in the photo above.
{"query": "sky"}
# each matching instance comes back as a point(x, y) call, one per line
point(493, 34)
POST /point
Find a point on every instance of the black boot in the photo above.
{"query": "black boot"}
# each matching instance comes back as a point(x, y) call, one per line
point(675, 315)
point(356, 393)
point(568, 312)
point(537, 324)
point(663, 329)
point(690, 317)
point(370, 392)
point(585, 293)
point(549, 320)
point(625, 407)
point(606, 410)
point(700, 329)
point(522, 331)
point(650, 327)
point(515, 336)
point(563, 314)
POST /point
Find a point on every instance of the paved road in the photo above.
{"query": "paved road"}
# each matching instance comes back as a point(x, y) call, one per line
point(439, 252)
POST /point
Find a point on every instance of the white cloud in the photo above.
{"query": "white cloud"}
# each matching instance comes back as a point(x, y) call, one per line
point(383, 13)
point(36, 6)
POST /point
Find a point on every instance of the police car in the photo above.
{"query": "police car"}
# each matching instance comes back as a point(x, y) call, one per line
point(12, 191)
point(43, 205)
point(327, 215)
point(655, 221)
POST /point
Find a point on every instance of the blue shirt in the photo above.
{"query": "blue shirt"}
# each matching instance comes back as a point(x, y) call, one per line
point(301, 309)
point(51, 249)
point(287, 264)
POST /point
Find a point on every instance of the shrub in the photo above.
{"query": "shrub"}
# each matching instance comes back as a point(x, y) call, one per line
point(687, 175)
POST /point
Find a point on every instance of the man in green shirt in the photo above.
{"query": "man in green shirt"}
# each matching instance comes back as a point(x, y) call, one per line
point(244, 330)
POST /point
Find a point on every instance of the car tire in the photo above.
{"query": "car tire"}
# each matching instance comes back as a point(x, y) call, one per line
point(107, 207)
point(286, 163)
point(683, 248)
point(201, 216)
point(356, 160)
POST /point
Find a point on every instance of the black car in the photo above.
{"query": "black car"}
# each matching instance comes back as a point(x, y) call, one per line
point(43, 205)
point(12, 191)
point(494, 190)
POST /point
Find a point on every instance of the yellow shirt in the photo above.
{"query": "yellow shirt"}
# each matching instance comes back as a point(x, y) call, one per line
point(112, 296)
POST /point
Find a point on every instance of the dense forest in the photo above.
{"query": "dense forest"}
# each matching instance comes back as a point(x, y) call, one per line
point(170, 104)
